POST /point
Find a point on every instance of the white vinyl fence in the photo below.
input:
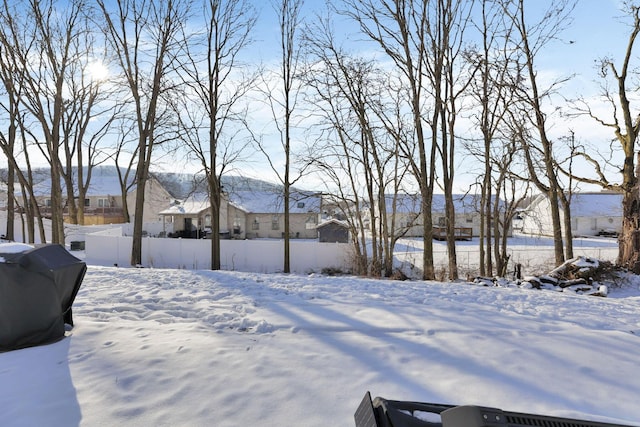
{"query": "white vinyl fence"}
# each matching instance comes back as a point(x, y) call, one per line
point(262, 256)
point(534, 260)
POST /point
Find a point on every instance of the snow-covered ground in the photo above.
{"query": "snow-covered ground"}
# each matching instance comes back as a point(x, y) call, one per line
point(158, 347)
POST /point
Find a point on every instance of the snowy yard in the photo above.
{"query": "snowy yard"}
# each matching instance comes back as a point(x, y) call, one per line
point(158, 347)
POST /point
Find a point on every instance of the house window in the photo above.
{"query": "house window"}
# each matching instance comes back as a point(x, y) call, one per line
point(469, 220)
point(102, 203)
point(87, 203)
point(300, 205)
point(47, 203)
point(442, 221)
point(207, 220)
point(275, 223)
point(237, 226)
point(255, 225)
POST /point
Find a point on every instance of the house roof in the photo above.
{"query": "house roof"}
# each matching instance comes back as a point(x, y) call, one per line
point(596, 204)
point(273, 202)
point(104, 182)
point(250, 202)
point(411, 203)
point(193, 205)
point(337, 222)
point(602, 204)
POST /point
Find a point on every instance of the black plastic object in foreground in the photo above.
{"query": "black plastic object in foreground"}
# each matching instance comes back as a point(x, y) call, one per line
point(37, 289)
point(381, 412)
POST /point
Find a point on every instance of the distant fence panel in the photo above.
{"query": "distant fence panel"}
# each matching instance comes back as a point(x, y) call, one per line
point(108, 248)
point(176, 253)
point(261, 256)
point(533, 260)
point(308, 256)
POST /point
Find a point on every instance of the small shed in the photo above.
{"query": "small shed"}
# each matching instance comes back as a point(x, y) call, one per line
point(333, 231)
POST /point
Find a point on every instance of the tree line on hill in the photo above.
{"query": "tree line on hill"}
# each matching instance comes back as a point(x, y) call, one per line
point(365, 125)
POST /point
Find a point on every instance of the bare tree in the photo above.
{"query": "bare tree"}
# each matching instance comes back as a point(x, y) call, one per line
point(13, 44)
point(53, 47)
point(289, 14)
point(46, 56)
point(11, 84)
point(493, 94)
point(87, 118)
point(283, 102)
point(213, 73)
point(510, 192)
point(529, 39)
point(450, 77)
point(359, 155)
point(624, 123)
point(144, 37)
point(400, 28)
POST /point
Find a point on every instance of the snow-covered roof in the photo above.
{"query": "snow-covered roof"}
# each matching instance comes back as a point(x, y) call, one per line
point(272, 202)
point(404, 203)
point(344, 224)
point(191, 206)
point(411, 203)
point(589, 204)
point(104, 182)
point(596, 204)
point(250, 202)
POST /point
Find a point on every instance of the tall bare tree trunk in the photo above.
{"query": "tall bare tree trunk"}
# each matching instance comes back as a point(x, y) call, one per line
point(289, 21)
point(128, 24)
point(529, 43)
point(629, 239)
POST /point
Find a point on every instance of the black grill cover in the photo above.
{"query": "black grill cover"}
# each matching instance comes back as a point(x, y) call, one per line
point(37, 289)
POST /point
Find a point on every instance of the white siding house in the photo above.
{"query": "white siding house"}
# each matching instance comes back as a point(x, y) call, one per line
point(592, 214)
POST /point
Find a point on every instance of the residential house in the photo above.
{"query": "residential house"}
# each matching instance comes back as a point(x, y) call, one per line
point(191, 218)
point(592, 214)
point(156, 198)
point(265, 213)
point(246, 214)
point(103, 200)
point(337, 207)
point(407, 220)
